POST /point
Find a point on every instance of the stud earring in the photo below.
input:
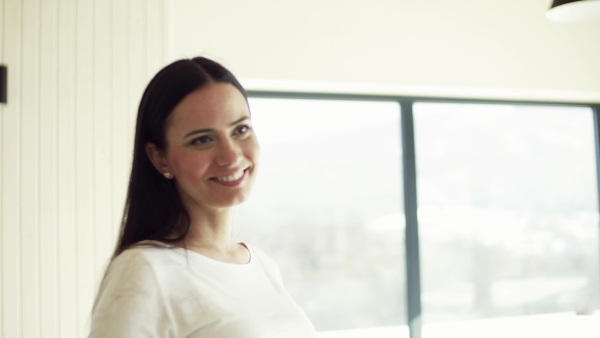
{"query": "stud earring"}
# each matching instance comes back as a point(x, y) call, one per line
point(168, 175)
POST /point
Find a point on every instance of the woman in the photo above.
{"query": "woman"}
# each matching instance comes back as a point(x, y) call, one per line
point(175, 271)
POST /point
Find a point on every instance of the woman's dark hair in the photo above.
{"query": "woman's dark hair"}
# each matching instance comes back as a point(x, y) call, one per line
point(153, 210)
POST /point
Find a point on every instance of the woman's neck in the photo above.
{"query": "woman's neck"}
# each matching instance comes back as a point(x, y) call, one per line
point(210, 235)
point(210, 228)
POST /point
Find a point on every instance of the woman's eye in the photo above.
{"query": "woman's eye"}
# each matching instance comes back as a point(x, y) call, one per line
point(201, 140)
point(242, 129)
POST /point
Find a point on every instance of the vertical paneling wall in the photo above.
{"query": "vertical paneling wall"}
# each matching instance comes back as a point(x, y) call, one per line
point(76, 72)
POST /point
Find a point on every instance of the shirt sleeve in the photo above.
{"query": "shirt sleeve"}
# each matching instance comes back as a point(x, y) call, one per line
point(130, 301)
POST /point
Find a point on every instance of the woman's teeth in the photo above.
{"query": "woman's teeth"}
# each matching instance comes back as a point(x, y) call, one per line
point(230, 178)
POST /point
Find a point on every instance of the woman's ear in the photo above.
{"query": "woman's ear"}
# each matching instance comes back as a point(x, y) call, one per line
point(158, 160)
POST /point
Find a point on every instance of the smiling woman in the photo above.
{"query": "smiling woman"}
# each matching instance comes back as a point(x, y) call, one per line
point(175, 271)
point(212, 151)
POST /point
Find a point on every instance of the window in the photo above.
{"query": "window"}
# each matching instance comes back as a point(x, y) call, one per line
point(507, 212)
point(327, 205)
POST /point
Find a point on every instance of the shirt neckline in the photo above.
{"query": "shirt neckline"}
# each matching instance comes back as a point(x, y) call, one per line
point(188, 253)
point(219, 262)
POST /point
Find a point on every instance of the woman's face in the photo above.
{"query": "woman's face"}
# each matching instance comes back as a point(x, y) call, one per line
point(212, 151)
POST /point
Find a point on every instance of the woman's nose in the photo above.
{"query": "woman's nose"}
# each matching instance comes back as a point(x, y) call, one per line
point(228, 153)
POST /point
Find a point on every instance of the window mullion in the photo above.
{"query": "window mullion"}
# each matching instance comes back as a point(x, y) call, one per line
point(413, 275)
point(596, 113)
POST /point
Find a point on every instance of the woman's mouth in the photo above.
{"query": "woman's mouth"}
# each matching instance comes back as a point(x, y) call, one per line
point(231, 180)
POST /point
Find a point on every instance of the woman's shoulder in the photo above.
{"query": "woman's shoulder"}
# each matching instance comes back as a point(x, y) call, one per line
point(130, 298)
point(146, 253)
point(260, 256)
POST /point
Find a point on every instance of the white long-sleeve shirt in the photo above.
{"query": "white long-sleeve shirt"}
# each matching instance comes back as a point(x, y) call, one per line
point(173, 292)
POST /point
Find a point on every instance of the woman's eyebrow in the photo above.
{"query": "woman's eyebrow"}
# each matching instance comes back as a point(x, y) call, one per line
point(208, 130)
point(240, 120)
point(197, 131)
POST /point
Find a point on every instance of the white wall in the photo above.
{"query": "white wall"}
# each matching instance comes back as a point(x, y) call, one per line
point(467, 48)
point(77, 69)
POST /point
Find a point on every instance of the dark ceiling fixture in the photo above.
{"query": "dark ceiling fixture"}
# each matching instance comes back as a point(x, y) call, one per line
point(574, 10)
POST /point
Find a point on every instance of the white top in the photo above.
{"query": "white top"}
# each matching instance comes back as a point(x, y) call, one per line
point(173, 292)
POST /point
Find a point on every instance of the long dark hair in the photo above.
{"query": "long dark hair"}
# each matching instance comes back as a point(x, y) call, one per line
point(153, 210)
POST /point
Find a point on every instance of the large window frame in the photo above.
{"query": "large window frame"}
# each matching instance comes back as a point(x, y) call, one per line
point(406, 103)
